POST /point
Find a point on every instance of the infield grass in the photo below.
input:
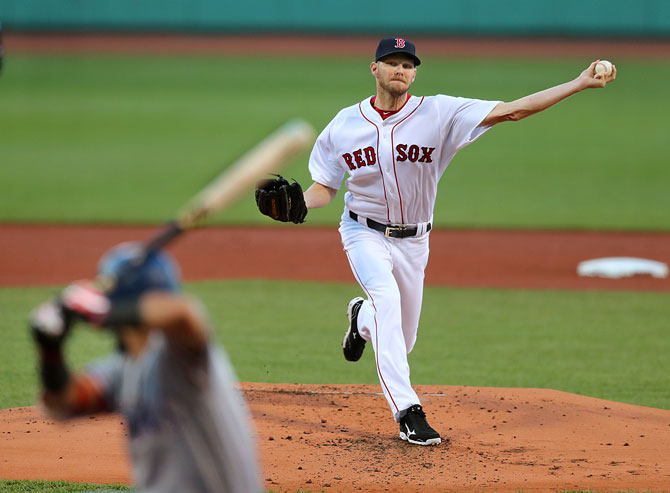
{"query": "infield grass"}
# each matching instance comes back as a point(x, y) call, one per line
point(610, 345)
point(130, 139)
point(59, 487)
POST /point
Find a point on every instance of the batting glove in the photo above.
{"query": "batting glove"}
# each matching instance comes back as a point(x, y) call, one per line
point(86, 301)
point(49, 324)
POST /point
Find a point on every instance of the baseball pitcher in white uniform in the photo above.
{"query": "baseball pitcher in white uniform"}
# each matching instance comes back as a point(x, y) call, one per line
point(393, 148)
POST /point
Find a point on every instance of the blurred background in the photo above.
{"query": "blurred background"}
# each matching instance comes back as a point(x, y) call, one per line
point(610, 18)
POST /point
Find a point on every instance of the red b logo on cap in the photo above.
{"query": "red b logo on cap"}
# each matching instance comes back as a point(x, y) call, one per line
point(399, 43)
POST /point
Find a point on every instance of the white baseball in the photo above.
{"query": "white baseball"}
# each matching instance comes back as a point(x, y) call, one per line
point(603, 66)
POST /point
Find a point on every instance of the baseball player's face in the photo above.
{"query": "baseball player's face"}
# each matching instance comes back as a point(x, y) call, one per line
point(394, 74)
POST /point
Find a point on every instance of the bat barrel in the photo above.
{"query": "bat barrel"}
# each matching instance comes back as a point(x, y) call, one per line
point(268, 156)
point(273, 152)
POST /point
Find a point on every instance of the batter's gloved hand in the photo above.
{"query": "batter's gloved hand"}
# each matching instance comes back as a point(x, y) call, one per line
point(49, 324)
point(281, 200)
point(82, 299)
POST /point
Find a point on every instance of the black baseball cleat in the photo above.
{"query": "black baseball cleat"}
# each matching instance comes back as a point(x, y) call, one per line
point(415, 429)
point(353, 344)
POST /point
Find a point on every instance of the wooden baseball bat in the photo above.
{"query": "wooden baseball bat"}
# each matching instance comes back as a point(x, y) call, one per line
point(268, 156)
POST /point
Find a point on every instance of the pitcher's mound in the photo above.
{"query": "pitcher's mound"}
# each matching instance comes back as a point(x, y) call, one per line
point(342, 438)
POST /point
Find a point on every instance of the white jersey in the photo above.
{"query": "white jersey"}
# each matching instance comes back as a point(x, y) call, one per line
point(394, 165)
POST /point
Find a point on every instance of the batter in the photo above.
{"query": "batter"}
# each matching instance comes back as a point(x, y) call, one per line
point(188, 427)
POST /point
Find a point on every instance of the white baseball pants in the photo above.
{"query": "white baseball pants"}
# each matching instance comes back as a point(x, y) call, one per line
point(391, 273)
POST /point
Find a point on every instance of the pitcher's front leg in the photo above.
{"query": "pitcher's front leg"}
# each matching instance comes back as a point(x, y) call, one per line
point(379, 320)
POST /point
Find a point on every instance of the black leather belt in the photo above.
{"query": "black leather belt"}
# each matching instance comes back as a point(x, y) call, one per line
point(389, 230)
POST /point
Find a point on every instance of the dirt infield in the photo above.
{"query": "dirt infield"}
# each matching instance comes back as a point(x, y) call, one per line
point(42, 255)
point(331, 438)
point(341, 438)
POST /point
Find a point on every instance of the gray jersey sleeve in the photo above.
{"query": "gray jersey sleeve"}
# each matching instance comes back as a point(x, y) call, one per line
point(107, 373)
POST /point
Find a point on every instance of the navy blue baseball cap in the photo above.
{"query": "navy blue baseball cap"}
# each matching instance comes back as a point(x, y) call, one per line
point(389, 46)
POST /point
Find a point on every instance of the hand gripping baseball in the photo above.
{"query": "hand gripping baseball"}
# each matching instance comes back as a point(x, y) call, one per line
point(281, 200)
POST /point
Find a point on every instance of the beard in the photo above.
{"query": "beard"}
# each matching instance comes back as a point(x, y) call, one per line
point(394, 88)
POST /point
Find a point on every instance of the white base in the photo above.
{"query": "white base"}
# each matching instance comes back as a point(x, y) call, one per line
point(617, 267)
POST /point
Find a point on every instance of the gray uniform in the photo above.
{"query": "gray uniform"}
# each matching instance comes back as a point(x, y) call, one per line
point(189, 429)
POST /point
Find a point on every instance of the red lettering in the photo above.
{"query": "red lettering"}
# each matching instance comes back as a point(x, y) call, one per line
point(399, 43)
point(425, 154)
point(413, 153)
point(358, 157)
point(401, 148)
point(349, 161)
point(370, 155)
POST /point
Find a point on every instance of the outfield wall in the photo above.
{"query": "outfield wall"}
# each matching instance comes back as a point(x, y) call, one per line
point(648, 18)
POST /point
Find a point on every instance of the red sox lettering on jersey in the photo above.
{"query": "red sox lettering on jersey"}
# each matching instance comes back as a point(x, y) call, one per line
point(404, 152)
point(394, 164)
point(412, 153)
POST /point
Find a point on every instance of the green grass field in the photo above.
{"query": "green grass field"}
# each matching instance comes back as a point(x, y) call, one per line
point(611, 345)
point(129, 139)
point(59, 487)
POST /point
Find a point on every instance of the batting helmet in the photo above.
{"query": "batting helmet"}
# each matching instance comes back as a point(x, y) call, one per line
point(158, 272)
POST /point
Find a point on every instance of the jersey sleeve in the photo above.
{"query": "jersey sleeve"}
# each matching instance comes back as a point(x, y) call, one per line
point(323, 164)
point(186, 369)
point(105, 375)
point(463, 118)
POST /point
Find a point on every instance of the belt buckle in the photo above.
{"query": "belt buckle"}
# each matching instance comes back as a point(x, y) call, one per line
point(389, 229)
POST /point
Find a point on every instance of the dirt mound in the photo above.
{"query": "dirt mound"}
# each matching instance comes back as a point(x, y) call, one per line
point(342, 438)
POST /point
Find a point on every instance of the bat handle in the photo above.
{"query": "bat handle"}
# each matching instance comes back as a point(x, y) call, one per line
point(169, 232)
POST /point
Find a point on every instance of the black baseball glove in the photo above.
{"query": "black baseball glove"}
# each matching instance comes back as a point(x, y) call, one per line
point(281, 200)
